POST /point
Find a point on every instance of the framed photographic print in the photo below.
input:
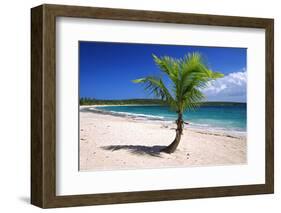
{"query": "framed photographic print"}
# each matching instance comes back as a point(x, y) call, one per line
point(136, 106)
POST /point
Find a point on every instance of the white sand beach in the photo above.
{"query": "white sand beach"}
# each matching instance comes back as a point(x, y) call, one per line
point(110, 142)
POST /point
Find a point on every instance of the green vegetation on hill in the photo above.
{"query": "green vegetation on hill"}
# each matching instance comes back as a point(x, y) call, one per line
point(92, 101)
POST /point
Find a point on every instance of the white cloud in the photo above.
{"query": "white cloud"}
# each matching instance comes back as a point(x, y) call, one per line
point(232, 87)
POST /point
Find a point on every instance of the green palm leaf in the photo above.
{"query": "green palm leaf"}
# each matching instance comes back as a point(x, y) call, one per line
point(188, 75)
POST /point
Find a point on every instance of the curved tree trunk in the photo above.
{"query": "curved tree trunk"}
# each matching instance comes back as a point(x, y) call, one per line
point(173, 146)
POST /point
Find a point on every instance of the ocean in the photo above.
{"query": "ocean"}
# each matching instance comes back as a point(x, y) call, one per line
point(220, 117)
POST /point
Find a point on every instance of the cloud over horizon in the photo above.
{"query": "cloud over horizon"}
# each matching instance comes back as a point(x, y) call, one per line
point(232, 87)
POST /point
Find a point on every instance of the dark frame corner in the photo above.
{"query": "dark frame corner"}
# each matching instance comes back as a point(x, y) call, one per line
point(43, 105)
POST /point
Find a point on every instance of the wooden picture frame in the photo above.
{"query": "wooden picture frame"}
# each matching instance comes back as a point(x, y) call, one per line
point(43, 105)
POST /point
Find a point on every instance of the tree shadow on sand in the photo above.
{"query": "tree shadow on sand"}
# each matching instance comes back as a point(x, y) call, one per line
point(153, 151)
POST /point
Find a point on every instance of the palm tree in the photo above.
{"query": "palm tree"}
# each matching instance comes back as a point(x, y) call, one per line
point(187, 75)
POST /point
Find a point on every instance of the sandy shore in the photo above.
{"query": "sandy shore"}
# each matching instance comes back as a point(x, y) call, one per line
point(110, 142)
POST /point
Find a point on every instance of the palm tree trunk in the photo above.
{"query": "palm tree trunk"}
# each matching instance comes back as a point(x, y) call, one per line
point(173, 146)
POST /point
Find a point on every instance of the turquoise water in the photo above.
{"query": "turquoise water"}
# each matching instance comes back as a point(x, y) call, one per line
point(232, 117)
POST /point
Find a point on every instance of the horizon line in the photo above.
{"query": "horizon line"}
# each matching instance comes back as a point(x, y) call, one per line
point(151, 99)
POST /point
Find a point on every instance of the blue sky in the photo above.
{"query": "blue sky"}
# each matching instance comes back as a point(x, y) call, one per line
point(106, 69)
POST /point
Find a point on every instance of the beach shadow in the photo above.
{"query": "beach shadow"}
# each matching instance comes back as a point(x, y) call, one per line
point(153, 151)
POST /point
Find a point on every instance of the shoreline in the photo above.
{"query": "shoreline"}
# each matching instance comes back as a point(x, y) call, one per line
point(147, 118)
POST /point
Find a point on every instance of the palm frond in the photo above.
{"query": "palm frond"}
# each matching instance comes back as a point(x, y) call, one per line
point(192, 99)
point(169, 66)
point(188, 75)
point(156, 86)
